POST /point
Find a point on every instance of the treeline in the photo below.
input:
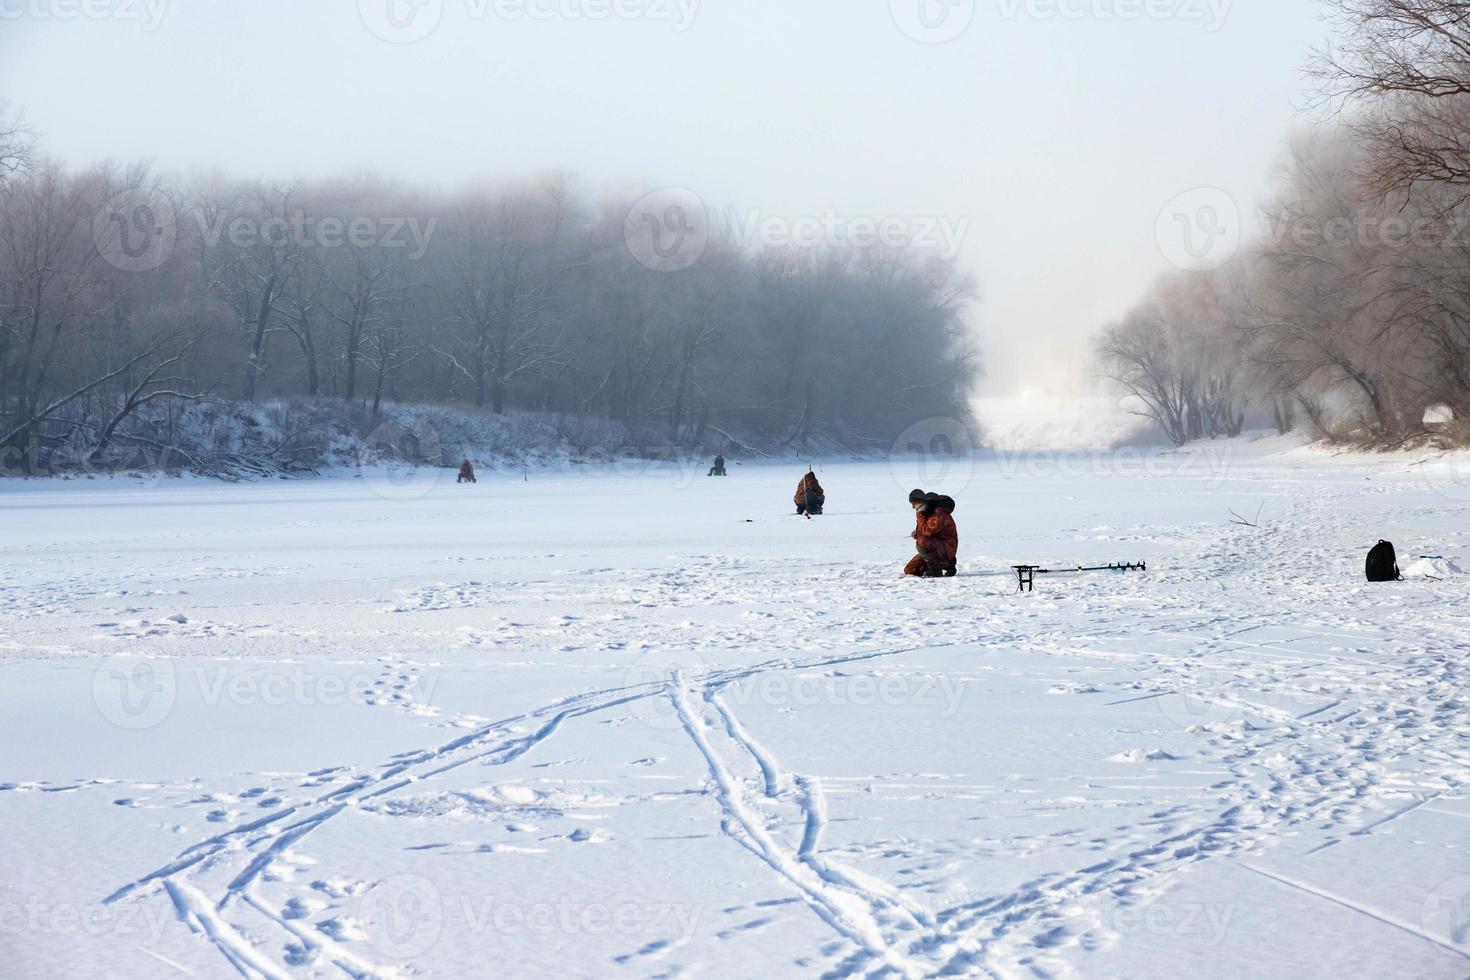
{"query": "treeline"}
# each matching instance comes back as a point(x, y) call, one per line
point(1351, 316)
point(123, 296)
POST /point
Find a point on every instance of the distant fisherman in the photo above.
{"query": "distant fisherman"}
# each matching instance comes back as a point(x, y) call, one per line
point(466, 473)
point(810, 497)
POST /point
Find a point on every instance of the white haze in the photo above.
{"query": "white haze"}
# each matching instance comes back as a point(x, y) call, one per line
point(1051, 131)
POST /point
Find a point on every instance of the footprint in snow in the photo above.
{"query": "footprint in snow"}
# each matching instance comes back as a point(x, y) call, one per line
point(584, 836)
point(1142, 755)
point(337, 888)
point(301, 908)
point(655, 948)
point(298, 954)
point(343, 929)
point(756, 925)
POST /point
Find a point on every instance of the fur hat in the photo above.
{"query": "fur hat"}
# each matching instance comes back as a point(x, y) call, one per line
point(918, 497)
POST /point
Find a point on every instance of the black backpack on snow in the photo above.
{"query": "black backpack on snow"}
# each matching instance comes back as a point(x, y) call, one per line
point(1383, 563)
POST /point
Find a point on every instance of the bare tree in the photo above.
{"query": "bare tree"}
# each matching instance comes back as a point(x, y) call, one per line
point(253, 262)
point(497, 298)
point(1136, 355)
point(154, 385)
point(1408, 63)
point(15, 145)
point(46, 252)
point(529, 299)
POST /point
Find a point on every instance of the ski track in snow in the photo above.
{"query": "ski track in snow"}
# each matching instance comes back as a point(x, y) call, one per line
point(1308, 725)
point(890, 931)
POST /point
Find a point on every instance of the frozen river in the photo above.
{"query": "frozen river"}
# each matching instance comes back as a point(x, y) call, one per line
point(636, 722)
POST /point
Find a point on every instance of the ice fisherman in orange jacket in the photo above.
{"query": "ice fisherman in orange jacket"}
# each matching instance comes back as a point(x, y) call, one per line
point(936, 536)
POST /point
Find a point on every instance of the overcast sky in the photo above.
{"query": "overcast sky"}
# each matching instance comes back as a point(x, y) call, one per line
point(1053, 132)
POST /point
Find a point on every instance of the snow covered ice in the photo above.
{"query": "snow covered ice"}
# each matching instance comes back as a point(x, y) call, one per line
point(638, 723)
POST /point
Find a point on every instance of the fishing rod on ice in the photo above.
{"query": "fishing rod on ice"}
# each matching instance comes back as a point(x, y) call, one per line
point(1026, 574)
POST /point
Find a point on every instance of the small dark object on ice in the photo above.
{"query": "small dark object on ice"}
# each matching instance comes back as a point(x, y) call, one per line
point(1242, 522)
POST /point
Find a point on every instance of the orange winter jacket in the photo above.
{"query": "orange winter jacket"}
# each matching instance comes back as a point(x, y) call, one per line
point(938, 533)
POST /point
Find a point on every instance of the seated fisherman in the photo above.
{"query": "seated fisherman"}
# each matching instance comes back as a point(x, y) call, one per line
point(936, 538)
point(810, 497)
